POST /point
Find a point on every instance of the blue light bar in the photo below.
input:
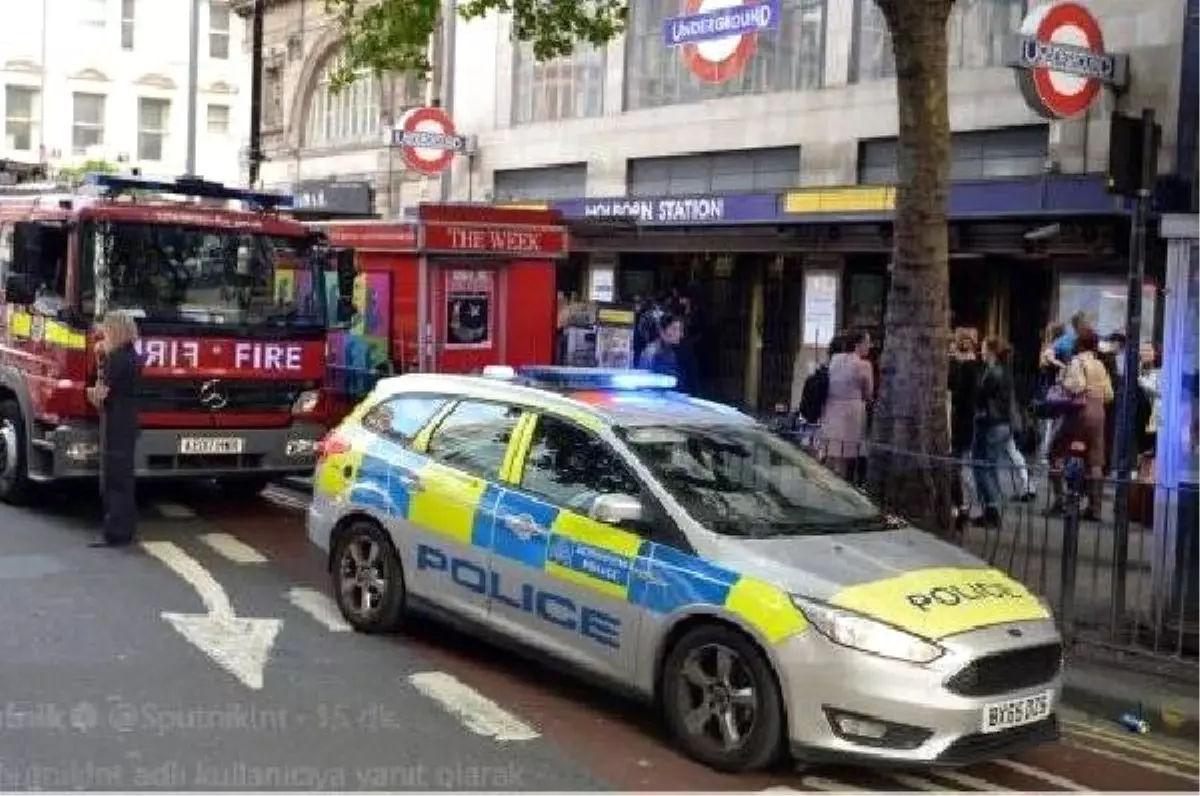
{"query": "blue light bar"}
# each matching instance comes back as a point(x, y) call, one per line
point(568, 378)
point(188, 186)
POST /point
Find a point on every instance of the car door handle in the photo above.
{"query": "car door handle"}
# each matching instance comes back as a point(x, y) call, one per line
point(523, 526)
point(410, 482)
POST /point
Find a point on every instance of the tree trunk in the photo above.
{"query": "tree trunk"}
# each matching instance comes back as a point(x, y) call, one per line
point(910, 435)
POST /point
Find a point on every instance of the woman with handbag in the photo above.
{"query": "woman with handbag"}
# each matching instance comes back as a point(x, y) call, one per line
point(1087, 391)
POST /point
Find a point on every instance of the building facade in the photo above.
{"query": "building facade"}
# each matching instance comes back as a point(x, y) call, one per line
point(312, 135)
point(88, 80)
point(756, 193)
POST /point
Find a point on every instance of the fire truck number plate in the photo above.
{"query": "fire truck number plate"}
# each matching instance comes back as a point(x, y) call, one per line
point(208, 446)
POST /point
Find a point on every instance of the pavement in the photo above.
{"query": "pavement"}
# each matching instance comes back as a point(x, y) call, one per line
point(209, 657)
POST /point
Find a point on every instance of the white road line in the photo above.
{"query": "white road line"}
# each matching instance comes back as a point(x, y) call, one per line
point(967, 781)
point(320, 607)
point(1085, 733)
point(916, 783)
point(233, 548)
point(1160, 768)
point(174, 511)
point(216, 601)
point(829, 785)
point(479, 714)
point(1044, 776)
point(281, 498)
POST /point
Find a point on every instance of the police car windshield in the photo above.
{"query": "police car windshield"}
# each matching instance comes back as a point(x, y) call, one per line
point(745, 481)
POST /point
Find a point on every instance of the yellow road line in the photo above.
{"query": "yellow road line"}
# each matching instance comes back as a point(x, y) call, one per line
point(1133, 761)
point(1131, 741)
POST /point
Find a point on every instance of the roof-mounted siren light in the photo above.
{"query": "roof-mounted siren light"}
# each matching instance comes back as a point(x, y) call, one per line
point(188, 185)
point(572, 378)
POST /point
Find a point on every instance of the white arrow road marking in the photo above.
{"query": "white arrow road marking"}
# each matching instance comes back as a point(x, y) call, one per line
point(320, 607)
point(233, 548)
point(240, 645)
point(1037, 773)
point(481, 715)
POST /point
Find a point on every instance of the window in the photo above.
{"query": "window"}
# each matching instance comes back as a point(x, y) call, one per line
point(402, 417)
point(127, 15)
point(748, 170)
point(474, 437)
point(218, 119)
point(93, 13)
point(547, 184)
point(153, 120)
point(272, 110)
point(88, 125)
point(788, 59)
point(976, 155)
point(742, 480)
point(1104, 300)
point(20, 117)
point(570, 87)
point(976, 32)
point(571, 468)
point(218, 30)
point(345, 117)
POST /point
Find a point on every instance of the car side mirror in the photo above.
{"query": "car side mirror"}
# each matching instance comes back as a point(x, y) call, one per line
point(18, 289)
point(618, 510)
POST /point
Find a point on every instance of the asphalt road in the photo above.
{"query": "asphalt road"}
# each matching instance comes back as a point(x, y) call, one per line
point(209, 658)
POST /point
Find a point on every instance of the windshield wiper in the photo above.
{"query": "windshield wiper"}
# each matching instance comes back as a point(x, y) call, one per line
point(879, 522)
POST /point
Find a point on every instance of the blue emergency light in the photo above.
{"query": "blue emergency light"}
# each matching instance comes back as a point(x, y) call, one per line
point(572, 378)
point(114, 184)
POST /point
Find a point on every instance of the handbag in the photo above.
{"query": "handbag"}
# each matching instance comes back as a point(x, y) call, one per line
point(1059, 401)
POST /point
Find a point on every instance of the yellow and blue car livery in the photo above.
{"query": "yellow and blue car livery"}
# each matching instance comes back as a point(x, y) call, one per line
point(890, 647)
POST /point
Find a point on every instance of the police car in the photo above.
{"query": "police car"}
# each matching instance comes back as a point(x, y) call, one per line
point(677, 548)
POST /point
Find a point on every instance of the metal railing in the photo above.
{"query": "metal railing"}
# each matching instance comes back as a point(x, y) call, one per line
point(1125, 595)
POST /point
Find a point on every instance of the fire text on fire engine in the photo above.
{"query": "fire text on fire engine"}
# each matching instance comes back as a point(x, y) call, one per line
point(174, 353)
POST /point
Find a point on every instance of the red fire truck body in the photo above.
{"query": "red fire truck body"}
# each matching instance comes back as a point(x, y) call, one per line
point(233, 361)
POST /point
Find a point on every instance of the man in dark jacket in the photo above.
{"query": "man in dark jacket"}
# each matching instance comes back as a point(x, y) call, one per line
point(661, 356)
point(964, 377)
point(115, 395)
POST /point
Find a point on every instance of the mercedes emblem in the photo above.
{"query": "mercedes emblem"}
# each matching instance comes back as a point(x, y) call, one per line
point(212, 397)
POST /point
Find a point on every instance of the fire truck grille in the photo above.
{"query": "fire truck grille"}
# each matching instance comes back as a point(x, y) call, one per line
point(223, 396)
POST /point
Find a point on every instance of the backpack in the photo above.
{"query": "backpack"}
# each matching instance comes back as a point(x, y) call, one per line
point(814, 394)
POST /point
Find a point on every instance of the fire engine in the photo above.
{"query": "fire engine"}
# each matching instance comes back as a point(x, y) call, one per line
point(232, 319)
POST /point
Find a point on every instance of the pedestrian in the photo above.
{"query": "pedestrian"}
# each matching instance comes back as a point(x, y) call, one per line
point(1086, 380)
point(661, 355)
point(992, 425)
point(1112, 355)
point(1050, 369)
point(115, 396)
point(963, 379)
point(851, 389)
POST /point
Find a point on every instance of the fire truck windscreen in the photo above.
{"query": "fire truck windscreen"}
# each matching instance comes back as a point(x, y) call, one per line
point(172, 273)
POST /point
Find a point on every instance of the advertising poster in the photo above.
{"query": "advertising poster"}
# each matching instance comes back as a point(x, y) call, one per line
point(470, 302)
point(614, 336)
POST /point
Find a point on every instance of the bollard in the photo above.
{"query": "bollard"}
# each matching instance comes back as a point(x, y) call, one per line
point(1073, 477)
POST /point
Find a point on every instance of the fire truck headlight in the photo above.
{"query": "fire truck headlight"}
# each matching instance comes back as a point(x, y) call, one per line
point(82, 451)
point(301, 447)
point(306, 402)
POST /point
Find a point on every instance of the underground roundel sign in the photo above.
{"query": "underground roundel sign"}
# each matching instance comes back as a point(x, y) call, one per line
point(718, 37)
point(1061, 62)
point(427, 140)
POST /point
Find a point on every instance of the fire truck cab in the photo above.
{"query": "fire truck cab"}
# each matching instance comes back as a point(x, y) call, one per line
point(231, 317)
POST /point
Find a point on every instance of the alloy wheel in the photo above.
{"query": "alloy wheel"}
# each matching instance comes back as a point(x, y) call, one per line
point(718, 701)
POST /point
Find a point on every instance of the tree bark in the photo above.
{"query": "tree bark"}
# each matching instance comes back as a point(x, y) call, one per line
point(911, 428)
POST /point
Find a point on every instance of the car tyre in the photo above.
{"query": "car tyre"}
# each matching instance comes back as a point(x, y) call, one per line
point(15, 487)
point(715, 677)
point(368, 578)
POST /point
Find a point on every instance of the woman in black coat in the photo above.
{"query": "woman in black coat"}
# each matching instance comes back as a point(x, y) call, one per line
point(115, 395)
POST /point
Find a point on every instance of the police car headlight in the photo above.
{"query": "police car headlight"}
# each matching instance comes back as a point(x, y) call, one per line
point(859, 632)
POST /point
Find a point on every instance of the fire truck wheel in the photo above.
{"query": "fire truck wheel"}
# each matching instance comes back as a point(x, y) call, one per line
point(14, 474)
point(243, 487)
